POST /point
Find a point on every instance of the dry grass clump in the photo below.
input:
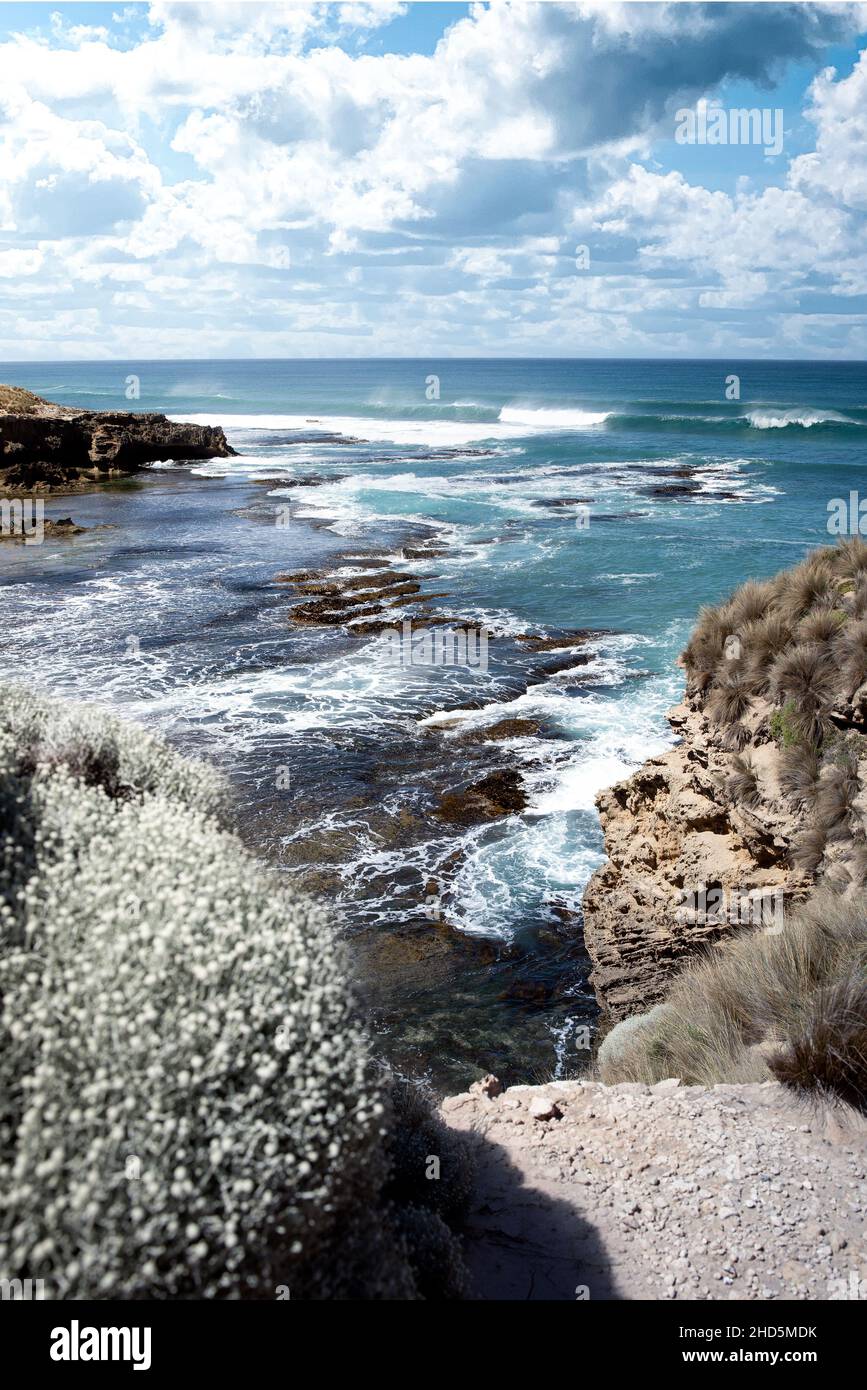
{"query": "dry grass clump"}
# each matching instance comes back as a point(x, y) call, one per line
point(837, 791)
point(808, 851)
point(821, 626)
point(852, 557)
point(766, 639)
point(798, 773)
point(729, 698)
point(742, 784)
point(828, 1055)
point(749, 603)
point(805, 674)
point(851, 651)
point(805, 588)
point(707, 645)
point(736, 737)
point(799, 640)
point(796, 990)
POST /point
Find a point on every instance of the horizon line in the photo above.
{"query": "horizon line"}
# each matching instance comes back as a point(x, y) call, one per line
point(429, 357)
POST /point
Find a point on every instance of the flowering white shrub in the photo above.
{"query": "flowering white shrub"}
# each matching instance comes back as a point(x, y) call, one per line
point(103, 751)
point(188, 1106)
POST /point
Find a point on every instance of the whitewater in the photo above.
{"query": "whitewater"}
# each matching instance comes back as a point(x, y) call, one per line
point(534, 499)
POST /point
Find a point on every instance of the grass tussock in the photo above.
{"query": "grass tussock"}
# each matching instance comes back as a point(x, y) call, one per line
point(808, 851)
point(806, 587)
point(742, 784)
point(793, 1001)
point(798, 641)
point(837, 791)
point(729, 699)
point(798, 773)
point(806, 675)
point(829, 1054)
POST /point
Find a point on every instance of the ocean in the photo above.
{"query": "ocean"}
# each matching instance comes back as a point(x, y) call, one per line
point(536, 499)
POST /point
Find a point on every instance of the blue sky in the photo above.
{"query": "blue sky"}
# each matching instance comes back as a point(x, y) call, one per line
point(382, 178)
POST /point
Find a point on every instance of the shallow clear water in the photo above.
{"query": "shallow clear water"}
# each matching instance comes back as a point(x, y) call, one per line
point(168, 610)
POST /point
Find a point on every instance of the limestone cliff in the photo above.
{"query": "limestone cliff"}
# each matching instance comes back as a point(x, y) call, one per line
point(763, 794)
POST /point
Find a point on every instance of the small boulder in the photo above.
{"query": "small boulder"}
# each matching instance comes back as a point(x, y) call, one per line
point(543, 1108)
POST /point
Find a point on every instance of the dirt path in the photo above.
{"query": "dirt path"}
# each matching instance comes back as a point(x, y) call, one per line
point(665, 1192)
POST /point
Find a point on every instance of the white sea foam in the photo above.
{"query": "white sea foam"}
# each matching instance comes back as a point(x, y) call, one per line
point(512, 424)
point(805, 417)
point(432, 433)
point(553, 419)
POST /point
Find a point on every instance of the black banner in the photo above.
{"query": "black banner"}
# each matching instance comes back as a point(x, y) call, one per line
point(226, 1339)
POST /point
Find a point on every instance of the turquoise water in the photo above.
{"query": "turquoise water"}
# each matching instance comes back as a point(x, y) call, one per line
point(684, 493)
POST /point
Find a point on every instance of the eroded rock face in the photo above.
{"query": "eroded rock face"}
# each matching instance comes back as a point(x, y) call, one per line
point(43, 445)
point(672, 830)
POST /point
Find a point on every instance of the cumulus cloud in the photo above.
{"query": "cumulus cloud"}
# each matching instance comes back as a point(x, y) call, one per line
point(258, 166)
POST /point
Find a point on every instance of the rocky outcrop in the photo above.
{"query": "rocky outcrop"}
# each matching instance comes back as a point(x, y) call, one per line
point(763, 795)
point(44, 446)
point(673, 833)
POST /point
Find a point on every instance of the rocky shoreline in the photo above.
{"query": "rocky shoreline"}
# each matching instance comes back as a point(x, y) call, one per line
point(50, 448)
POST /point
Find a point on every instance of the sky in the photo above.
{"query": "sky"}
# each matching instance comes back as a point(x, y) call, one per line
point(387, 179)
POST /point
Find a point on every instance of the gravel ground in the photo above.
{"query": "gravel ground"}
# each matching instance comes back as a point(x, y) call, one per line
point(637, 1192)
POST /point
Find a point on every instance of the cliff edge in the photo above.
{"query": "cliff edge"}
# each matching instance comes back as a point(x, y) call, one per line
point(587, 1192)
point(763, 796)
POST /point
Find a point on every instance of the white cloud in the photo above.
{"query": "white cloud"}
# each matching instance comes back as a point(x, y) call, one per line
point(15, 263)
point(236, 164)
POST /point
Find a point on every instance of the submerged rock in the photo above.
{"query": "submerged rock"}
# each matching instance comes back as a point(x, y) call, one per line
point(499, 794)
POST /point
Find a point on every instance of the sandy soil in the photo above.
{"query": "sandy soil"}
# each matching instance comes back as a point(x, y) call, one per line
point(637, 1192)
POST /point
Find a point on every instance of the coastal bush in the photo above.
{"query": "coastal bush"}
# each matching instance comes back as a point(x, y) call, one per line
point(417, 1135)
point(190, 1106)
point(785, 728)
point(793, 1003)
point(102, 751)
point(434, 1253)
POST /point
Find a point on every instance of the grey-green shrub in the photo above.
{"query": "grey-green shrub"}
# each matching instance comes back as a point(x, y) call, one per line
point(40, 733)
point(188, 1103)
